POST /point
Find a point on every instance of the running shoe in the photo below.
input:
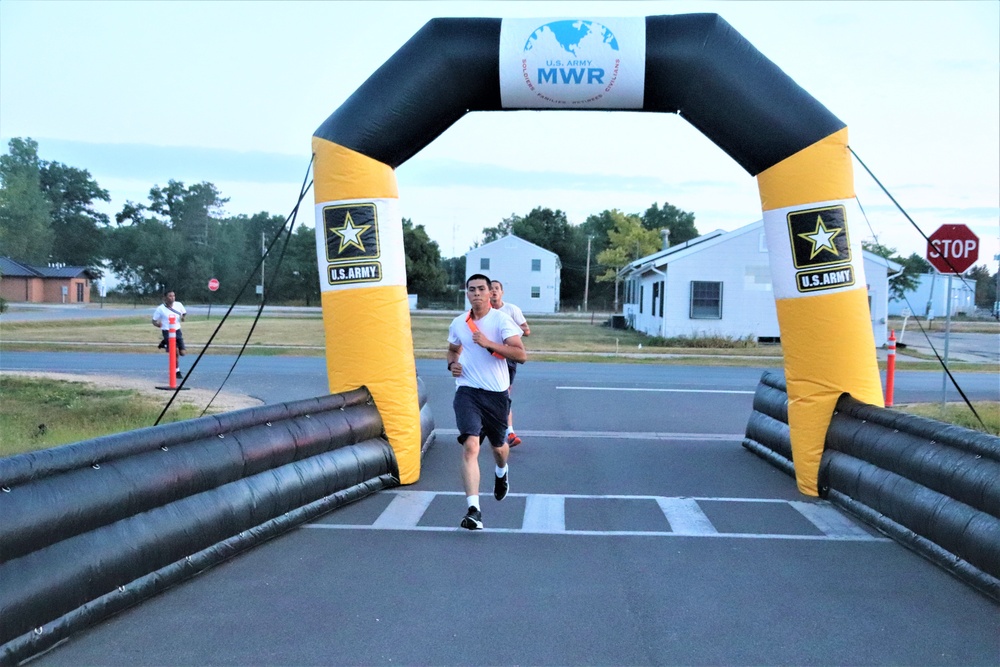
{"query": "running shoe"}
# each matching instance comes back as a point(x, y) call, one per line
point(473, 519)
point(501, 486)
point(513, 440)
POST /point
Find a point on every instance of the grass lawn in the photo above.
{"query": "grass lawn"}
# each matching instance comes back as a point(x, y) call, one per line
point(41, 413)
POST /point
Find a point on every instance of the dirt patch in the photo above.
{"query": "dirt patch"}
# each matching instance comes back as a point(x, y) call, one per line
point(224, 402)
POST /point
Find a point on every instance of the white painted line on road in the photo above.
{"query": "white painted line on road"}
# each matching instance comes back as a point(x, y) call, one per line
point(615, 435)
point(609, 533)
point(544, 514)
point(829, 520)
point(405, 509)
point(674, 391)
point(685, 516)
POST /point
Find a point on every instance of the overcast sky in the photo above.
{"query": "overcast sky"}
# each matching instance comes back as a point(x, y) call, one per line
point(140, 93)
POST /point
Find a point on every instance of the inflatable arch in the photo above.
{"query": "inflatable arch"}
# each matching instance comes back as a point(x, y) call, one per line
point(694, 65)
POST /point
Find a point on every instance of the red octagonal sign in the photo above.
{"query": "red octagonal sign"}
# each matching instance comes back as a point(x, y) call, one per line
point(213, 284)
point(953, 248)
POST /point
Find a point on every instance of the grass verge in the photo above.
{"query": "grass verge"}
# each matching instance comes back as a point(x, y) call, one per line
point(41, 413)
point(959, 414)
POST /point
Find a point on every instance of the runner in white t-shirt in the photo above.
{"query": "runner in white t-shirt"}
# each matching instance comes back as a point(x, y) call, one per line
point(480, 342)
point(161, 319)
point(496, 300)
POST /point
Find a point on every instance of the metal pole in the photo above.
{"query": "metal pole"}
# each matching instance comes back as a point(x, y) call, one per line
point(263, 253)
point(947, 333)
point(586, 281)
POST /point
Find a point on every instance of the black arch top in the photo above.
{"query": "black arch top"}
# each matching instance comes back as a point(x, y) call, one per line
point(697, 65)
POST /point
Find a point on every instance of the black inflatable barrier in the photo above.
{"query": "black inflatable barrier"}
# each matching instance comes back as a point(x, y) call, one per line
point(93, 527)
point(931, 486)
point(697, 65)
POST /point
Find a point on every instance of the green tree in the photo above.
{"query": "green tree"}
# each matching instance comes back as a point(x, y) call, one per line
point(76, 226)
point(908, 279)
point(171, 243)
point(627, 242)
point(424, 274)
point(550, 230)
point(25, 212)
point(491, 234)
point(986, 286)
point(142, 253)
point(300, 277)
point(679, 223)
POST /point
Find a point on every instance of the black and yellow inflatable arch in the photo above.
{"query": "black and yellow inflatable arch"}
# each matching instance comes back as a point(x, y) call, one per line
point(693, 65)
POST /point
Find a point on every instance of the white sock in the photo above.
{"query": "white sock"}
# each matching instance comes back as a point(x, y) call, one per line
point(473, 501)
point(510, 429)
point(501, 471)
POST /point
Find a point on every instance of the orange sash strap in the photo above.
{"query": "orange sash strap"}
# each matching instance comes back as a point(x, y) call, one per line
point(473, 328)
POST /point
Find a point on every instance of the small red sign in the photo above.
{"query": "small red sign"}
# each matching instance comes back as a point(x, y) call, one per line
point(213, 284)
point(953, 245)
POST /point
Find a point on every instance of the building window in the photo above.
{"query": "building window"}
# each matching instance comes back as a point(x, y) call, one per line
point(706, 300)
point(642, 289)
point(536, 292)
point(656, 294)
point(484, 263)
point(536, 265)
point(663, 291)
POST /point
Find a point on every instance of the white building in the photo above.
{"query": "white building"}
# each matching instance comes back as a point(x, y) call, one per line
point(530, 274)
point(932, 289)
point(719, 284)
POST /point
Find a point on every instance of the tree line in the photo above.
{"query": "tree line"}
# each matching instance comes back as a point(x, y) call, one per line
point(180, 238)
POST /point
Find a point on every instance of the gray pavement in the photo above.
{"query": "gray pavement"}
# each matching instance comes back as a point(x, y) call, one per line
point(638, 532)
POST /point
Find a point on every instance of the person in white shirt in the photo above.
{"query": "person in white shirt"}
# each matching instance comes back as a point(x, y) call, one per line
point(496, 300)
point(161, 319)
point(480, 342)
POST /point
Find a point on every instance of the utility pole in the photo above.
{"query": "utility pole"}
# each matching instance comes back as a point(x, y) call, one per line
point(263, 253)
point(586, 281)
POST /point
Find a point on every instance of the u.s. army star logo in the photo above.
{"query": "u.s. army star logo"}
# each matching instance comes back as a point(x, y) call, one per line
point(819, 237)
point(351, 232)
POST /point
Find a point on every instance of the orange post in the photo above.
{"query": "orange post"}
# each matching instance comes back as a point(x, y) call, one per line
point(890, 369)
point(172, 351)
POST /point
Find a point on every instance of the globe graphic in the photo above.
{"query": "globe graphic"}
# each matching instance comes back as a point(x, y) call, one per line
point(577, 38)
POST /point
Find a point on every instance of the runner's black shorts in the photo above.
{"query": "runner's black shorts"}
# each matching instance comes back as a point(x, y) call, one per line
point(166, 339)
point(481, 412)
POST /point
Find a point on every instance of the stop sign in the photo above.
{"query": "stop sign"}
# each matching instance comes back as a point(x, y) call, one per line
point(955, 245)
point(213, 284)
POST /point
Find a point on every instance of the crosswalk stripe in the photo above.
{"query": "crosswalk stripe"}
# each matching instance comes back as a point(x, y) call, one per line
point(685, 516)
point(405, 510)
point(828, 520)
point(546, 514)
point(613, 435)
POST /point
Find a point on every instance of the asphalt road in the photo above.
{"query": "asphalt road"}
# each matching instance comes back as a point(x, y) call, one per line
point(638, 532)
point(276, 379)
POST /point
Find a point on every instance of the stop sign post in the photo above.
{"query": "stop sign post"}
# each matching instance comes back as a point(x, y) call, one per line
point(952, 249)
point(213, 285)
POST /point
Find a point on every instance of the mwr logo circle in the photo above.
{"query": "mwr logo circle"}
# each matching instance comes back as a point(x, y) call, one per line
point(571, 62)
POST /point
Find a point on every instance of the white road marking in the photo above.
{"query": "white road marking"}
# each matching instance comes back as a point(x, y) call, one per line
point(832, 523)
point(405, 510)
point(685, 516)
point(614, 435)
point(674, 391)
point(545, 514)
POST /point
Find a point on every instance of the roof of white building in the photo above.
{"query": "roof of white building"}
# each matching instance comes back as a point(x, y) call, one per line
point(509, 237)
point(705, 241)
